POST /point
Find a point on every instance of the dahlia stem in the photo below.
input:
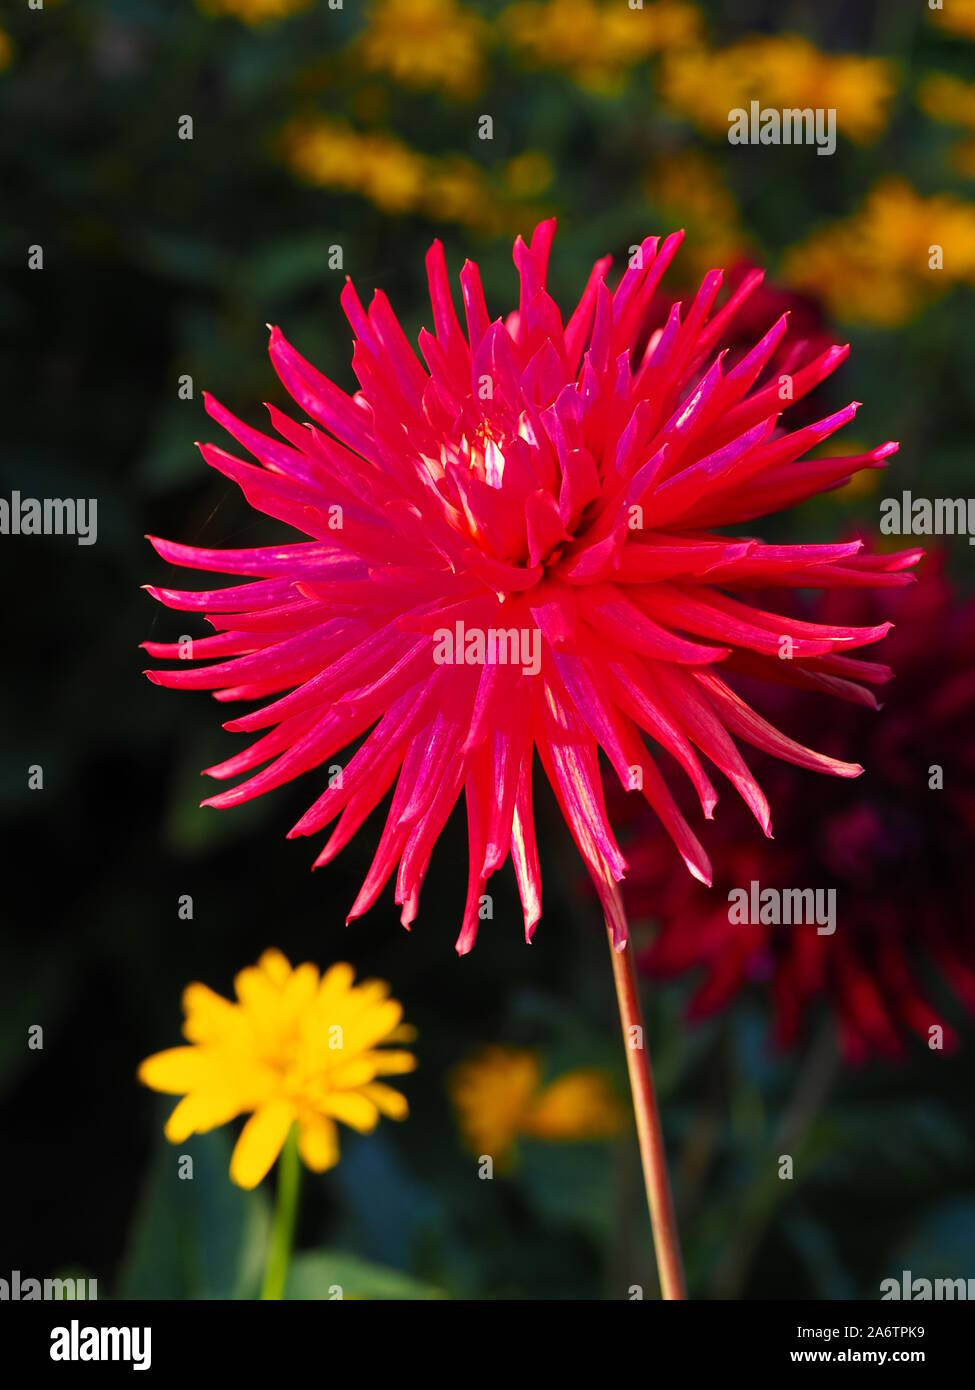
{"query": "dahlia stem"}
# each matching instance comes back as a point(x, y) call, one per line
point(652, 1153)
point(285, 1218)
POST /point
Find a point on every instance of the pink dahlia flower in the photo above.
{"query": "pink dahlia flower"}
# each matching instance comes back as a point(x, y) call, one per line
point(513, 548)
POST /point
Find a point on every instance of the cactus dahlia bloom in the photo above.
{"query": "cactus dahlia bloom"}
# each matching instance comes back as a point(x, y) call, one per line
point(514, 548)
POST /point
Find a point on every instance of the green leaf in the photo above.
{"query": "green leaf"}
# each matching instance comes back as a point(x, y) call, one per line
point(198, 1237)
point(335, 1274)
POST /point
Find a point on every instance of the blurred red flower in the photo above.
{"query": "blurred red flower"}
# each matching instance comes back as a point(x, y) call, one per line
point(896, 846)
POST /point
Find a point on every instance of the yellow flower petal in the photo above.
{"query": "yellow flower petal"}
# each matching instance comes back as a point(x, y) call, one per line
point(405, 1033)
point(349, 1076)
point(318, 1143)
point(387, 1101)
point(392, 1063)
point(275, 965)
point(200, 1112)
point(176, 1070)
point(373, 1025)
point(299, 989)
point(258, 994)
point(580, 1105)
point(336, 981)
point(491, 1094)
point(353, 1109)
point(209, 1016)
point(260, 1142)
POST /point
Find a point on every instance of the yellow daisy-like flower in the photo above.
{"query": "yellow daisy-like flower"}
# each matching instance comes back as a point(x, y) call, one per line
point(296, 1048)
point(378, 166)
point(779, 70)
point(688, 190)
point(499, 1096)
point(426, 44)
point(399, 180)
point(957, 16)
point(254, 12)
point(948, 99)
point(596, 43)
point(895, 254)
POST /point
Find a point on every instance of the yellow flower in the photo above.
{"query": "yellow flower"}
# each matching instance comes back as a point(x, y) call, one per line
point(780, 71)
point(596, 43)
point(958, 16)
point(948, 99)
point(294, 1049)
point(254, 12)
point(425, 44)
point(881, 265)
point(6, 50)
point(400, 180)
point(686, 189)
point(498, 1095)
point(378, 166)
point(528, 174)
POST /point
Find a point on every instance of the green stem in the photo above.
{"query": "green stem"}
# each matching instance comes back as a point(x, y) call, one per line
point(285, 1216)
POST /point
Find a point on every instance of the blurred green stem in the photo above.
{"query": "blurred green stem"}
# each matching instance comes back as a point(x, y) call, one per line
point(285, 1216)
point(756, 1209)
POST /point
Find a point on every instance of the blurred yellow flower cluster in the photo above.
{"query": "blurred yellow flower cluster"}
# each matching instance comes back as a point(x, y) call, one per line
point(881, 265)
point(425, 44)
point(596, 41)
point(957, 16)
point(6, 50)
point(686, 189)
point(948, 99)
point(295, 1049)
point(398, 179)
point(780, 71)
point(253, 11)
point(499, 1096)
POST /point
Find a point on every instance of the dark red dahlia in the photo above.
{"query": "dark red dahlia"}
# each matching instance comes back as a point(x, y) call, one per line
point(895, 847)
